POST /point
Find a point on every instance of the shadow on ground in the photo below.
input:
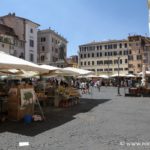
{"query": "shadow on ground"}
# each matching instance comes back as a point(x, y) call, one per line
point(54, 118)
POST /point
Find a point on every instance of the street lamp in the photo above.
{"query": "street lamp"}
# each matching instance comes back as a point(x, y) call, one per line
point(118, 75)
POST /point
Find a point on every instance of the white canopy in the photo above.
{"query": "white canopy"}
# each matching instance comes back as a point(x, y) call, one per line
point(116, 75)
point(78, 71)
point(91, 76)
point(104, 76)
point(130, 75)
point(10, 62)
point(51, 68)
point(56, 71)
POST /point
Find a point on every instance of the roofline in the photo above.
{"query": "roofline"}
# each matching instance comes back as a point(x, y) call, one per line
point(20, 18)
point(50, 30)
point(104, 42)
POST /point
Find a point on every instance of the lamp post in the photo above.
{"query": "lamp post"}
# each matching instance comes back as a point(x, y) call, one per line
point(118, 76)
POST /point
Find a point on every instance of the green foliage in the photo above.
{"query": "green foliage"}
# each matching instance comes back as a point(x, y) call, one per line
point(28, 96)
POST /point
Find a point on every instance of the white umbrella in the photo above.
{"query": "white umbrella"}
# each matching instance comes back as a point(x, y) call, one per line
point(51, 68)
point(91, 76)
point(104, 76)
point(78, 71)
point(56, 71)
point(11, 62)
point(130, 75)
point(116, 75)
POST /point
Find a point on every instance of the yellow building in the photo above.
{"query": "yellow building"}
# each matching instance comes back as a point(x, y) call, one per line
point(102, 57)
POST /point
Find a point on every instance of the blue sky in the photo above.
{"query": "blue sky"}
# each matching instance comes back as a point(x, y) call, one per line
point(83, 21)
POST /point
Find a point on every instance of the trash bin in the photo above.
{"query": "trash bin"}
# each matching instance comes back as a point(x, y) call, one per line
point(27, 119)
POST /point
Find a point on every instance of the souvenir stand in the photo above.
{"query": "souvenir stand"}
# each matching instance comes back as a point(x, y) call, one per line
point(21, 100)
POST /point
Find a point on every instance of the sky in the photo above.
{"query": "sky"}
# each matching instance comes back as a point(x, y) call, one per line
point(84, 21)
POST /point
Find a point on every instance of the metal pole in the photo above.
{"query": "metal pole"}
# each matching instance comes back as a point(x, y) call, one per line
point(118, 77)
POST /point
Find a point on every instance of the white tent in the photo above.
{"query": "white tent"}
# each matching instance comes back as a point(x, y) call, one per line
point(56, 71)
point(51, 68)
point(11, 62)
point(78, 71)
point(130, 76)
point(91, 76)
point(104, 76)
point(116, 75)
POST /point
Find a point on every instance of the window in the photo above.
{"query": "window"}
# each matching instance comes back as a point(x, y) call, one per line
point(31, 30)
point(105, 46)
point(105, 62)
point(100, 47)
point(100, 54)
point(97, 54)
point(43, 48)
point(126, 61)
point(81, 63)
point(88, 62)
point(115, 53)
point(120, 61)
point(125, 52)
point(120, 52)
point(43, 39)
point(81, 56)
point(92, 54)
point(85, 63)
point(125, 45)
point(120, 45)
point(125, 68)
point(115, 46)
point(130, 57)
point(105, 53)
point(109, 46)
point(130, 65)
point(42, 58)
point(99, 62)
point(116, 61)
point(88, 55)
point(84, 55)
point(99, 69)
point(139, 57)
point(97, 47)
point(93, 63)
point(31, 43)
point(31, 57)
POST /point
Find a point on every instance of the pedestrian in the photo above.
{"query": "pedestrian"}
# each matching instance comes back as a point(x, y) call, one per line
point(99, 83)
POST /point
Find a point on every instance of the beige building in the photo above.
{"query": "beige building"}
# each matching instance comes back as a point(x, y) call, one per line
point(49, 51)
point(26, 31)
point(102, 57)
point(9, 42)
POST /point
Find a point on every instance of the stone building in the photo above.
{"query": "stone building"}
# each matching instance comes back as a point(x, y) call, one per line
point(49, 51)
point(102, 57)
point(9, 42)
point(26, 31)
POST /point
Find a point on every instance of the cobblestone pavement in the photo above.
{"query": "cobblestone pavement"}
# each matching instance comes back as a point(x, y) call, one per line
point(121, 123)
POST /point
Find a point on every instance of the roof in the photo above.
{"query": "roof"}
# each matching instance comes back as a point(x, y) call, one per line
point(104, 42)
point(54, 32)
point(13, 14)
